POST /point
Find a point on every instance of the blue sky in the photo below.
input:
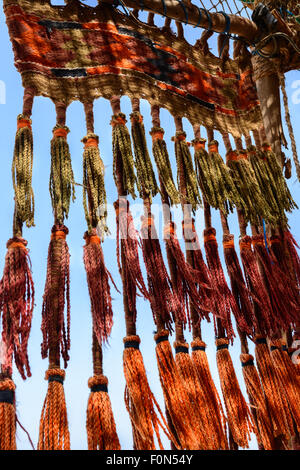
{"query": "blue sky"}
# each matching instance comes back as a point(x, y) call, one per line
point(31, 393)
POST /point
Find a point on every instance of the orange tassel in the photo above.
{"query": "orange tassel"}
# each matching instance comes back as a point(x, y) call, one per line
point(7, 415)
point(255, 391)
point(100, 423)
point(54, 430)
point(239, 417)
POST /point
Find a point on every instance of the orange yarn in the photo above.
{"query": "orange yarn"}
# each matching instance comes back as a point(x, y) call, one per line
point(54, 430)
point(60, 132)
point(7, 416)
point(210, 238)
point(23, 122)
point(256, 394)
point(92, 239)
point(91, 142)
point(199, 145)
point(238, 414)
point(169, 229)
point(213, 409)
point(213, 148)
point(140, 401)
point(245, 245)
point(118, 120)
point(100, 422)
point(17, 245)
point(277, 404)
point(228, 244)
point(58, 235)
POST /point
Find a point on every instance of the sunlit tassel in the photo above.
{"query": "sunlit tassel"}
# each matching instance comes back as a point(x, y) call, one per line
point(195, 394)
point(164, 300)
point(239, 416)
point(179, 407)
point(250, 196)
point(57, 296)
point(22, 171)
point(100, 422)
point(146, 181)
point(213, 409)
point(278, 181)
point(294, 259)
point(93, 185)
point(98, 278)
point(276, 401)
point(54, 430)
point(214, 176)
point(16, 306)
point(289, 380)
point(140, 401)
point(122, 151)
point(224, 301)
point(191, 288)
point(7, 415)
point(61, 176)
point(161, 157)
point(285, 307)
point(255, 391)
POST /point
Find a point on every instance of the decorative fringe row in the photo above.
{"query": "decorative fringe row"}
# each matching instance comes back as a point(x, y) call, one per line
point(139, 399)
point(99, 289)
point(100, 422)
point(246, 319)
point(161, 156)
point(287, 374)
point(54, 431)
point(16, 306)
point(61, 184)
point(238, 414)
point(214, 177)
point(122, 150)
point(56, 296)
point(7, 415)
point(22, 171)
point(186, 171)
point(224, 301)
point(146, 181)
point(163, 299)
point(93, 185)
point(195, 395)
point(251, 199)
point(179, 407)
point(276, 401)
point(213, 408)
point(256, 394)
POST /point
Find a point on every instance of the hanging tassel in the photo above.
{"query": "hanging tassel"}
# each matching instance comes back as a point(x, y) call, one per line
point(93, 185)
point(146, 181)
point(139, 399)
point(289, 381)
point(61, 184)
point(7, 415)
point(245, 319)
point(99, 289)
point(277, 405)
point(122, 152)
point(16, 305)
point(56, 296)
point(250, 197)
point(185, 166)
point(214, 176)
point(239, 416)
point(164, 301)
point(54, 431)
point(224, 301)
point(179, 407)
point(214, 409)
point(255, 391)
point(294, 259)
point(195, 394)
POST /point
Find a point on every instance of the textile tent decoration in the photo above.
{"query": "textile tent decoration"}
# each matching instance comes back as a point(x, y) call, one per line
point(79, 53)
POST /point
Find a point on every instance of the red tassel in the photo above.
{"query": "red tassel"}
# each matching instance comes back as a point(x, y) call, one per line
point(128, 256)
point(16, 306)
point(285, 310)
point(224, 301)
point(190, 286)
point(164, 301)
point(245, 319)
point(99, 289)
point(56, 296)
point(291, 246)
